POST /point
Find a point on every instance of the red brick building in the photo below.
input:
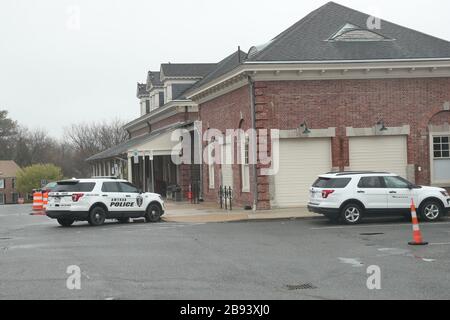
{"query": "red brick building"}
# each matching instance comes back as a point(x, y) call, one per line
point(8, 185)
point(344, 96)
point(146, 159)
point(339, 90)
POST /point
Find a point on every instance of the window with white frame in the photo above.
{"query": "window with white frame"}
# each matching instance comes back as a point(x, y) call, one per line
point(2, 183)
point(441, 147)
point(246, 164)
point(211, 169)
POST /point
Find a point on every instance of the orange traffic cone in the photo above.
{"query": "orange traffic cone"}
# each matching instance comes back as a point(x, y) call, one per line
point(45, 200)
point(37, 201)
point(417, 235)
point(38, 204)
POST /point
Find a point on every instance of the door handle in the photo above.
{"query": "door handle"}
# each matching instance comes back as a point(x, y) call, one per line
point(361, 192)
point(393, 192)
point(105, 195)
point(128, 196)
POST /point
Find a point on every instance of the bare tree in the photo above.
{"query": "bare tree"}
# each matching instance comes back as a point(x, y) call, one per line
point(88, 139)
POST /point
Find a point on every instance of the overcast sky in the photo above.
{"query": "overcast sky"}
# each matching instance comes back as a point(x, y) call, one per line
point(54, 72)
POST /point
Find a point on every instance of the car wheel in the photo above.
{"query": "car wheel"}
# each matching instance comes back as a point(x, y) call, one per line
point(153, 213)
point(123, 220)
point(352, 213)
point(431, 211)
point(97, 216)
point(66, 222)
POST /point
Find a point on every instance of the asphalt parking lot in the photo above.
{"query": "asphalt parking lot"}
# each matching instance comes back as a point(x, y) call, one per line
point(283, 259)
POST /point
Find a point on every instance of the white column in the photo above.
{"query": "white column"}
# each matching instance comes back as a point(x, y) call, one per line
point(144, 180)
point(130, 171)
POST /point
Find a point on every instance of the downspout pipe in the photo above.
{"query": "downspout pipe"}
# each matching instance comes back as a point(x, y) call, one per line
point(251, 83)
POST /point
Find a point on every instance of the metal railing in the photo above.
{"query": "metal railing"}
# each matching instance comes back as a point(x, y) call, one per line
point(226, 198)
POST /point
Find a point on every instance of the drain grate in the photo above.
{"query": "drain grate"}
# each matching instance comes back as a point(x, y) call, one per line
point(305, 286)
point(372, 234)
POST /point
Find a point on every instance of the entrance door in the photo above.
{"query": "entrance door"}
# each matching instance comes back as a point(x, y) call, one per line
point(440, 157)
point(2, 198)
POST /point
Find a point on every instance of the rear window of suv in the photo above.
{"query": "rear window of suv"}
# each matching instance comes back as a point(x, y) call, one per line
point(74, 187)
point(332, 183)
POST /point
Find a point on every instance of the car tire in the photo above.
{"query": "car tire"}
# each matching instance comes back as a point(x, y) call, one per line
point(123, 220)
point(431, 211)
point(97, 216)
point(352, 214)
point(153, 213)
point(66, 222)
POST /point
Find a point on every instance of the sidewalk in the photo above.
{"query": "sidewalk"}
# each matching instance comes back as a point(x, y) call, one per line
point(210, 212)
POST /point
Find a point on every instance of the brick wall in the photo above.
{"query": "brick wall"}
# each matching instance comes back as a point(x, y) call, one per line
point(361, 104)
point(225, 113)
point(334, 103)
point(8, 190)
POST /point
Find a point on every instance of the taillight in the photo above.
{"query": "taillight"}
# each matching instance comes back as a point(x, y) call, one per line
point(77, 196)
point(326, 193)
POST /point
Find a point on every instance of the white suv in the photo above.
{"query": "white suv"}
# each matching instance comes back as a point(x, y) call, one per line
point(348, 196)
point(97, 199)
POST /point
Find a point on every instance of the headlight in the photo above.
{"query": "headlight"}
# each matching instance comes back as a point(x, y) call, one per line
point(445, 194)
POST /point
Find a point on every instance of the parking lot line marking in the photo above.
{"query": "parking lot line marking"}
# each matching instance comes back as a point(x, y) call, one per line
point(440, 244)
point(377, 226)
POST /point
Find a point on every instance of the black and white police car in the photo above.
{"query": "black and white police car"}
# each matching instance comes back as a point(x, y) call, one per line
point(349, 196)
point(98, 199)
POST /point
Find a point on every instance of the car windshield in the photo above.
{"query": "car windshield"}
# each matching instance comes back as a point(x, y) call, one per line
point(333, 183)
point(51, 186)
point(74, 187)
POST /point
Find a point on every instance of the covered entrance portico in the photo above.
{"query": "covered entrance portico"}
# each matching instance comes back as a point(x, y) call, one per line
point(151, 162)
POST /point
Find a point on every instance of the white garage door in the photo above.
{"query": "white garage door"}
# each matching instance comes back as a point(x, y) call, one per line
point(386, 154)
point(301, 161)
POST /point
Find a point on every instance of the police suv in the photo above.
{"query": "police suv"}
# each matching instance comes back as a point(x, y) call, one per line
point(349, 196)
point(97, 199)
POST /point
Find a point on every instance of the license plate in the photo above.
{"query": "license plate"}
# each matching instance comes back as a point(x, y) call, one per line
point(57, 200)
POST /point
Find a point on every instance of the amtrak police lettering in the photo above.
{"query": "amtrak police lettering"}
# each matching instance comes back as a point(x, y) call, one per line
point(121, 203)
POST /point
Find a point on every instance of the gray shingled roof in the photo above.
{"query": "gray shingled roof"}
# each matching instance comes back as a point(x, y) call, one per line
point(197, 70)
point(223, 67)
point(153, 78)
point(122, 148)
point(307, 40)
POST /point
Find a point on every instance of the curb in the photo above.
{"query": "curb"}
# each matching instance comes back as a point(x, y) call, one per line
point(200, 220)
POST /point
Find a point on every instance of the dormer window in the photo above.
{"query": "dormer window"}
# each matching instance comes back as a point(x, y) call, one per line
point(353, 33)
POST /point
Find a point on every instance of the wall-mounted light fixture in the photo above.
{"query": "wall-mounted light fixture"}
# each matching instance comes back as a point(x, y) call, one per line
point(382, 125)
point(305, 126)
